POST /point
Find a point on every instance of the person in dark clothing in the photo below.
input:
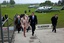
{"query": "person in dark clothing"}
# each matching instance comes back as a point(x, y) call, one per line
point(6, 16)
point(29, 10)
point(18, 24)
point(3, 19)
point(54, 22)
point(22, 15)
point(33, 22)
point(25, 11)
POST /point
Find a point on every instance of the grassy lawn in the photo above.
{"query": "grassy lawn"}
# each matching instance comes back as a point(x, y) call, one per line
point(43, 18)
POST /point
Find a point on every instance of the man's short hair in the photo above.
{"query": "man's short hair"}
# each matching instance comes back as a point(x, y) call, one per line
point(32, 12)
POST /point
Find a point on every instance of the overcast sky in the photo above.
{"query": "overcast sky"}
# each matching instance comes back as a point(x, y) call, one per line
point(29, 1)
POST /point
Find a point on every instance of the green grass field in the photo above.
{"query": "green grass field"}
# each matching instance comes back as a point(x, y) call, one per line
point(42, 17)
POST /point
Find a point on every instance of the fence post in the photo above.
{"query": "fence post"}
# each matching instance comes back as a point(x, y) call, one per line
point(1, 26)
point(8, 31)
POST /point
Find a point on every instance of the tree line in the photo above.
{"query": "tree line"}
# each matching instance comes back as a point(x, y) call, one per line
point(12, 2)
point(47, 2)
point(61, 2)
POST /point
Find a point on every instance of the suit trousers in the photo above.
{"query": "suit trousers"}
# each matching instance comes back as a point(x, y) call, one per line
point(33, 29)
point(54, 28)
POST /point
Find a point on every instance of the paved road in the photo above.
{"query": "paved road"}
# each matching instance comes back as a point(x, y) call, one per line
point(41, 36)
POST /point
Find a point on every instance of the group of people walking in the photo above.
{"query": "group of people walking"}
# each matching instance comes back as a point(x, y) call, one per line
point(25, 22)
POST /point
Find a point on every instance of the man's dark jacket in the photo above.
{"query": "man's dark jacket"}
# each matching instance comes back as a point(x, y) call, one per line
point(33, 21)
point(54, 20)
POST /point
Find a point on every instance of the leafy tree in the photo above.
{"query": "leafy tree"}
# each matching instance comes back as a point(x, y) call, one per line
point(55, 4)
point(46, 3)
point(62, 2)
point(4, 3)
point(41, 4)
point(12, 2)
point(59, 2)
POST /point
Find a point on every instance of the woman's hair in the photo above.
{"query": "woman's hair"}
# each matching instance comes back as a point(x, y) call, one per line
point(22, 15)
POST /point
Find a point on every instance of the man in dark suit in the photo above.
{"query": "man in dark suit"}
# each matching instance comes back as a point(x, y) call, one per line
point(54, 22)
point(33, 22)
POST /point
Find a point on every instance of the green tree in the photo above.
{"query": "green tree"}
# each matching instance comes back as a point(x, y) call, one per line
point(4, 2)
point(41, 4)
point(62, 2)
point(46, 3)
point(12, 2)
point(59, 2)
